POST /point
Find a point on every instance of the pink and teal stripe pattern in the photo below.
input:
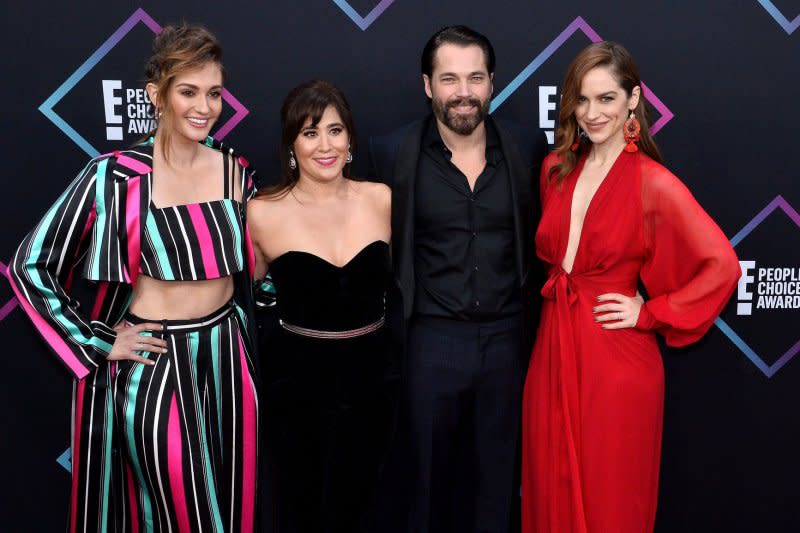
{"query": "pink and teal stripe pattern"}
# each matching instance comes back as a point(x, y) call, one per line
point(42, 268)
point(96, 229)
point(193, 242)
point(190, 431)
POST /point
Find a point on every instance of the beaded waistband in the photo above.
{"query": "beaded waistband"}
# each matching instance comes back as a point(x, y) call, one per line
point(346, 334)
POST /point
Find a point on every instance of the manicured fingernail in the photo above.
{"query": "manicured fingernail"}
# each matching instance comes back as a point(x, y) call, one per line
point(163, 350)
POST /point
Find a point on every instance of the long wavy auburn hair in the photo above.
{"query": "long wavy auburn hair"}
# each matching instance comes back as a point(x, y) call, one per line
point(619, 61)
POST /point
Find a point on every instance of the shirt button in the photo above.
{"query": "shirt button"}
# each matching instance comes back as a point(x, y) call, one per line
point(477, 303)
point(476, 268)
point(474, 233)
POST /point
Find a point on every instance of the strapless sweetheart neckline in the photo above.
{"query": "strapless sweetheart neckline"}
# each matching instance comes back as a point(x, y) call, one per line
point(340, 267)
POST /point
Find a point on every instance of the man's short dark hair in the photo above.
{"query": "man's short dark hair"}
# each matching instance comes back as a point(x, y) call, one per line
point(460, 36)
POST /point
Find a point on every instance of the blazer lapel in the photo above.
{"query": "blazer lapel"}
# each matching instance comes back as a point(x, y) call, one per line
point(134, 170)
point(521, 200)
point(404, 174)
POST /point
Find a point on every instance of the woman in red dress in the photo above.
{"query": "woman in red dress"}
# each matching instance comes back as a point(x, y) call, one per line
point(612, 216)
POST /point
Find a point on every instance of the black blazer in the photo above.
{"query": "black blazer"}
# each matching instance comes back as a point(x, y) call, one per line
point(393, 159)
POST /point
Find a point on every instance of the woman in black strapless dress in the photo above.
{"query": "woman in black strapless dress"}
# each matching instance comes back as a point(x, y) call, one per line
point(324, 240)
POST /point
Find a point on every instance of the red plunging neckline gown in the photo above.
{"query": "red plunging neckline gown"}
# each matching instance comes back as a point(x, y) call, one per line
point(593, 401)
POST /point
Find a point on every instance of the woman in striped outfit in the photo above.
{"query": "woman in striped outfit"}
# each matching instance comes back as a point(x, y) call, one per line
point(165, 408)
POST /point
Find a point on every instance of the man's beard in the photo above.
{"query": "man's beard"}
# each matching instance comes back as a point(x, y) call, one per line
point(457, 122)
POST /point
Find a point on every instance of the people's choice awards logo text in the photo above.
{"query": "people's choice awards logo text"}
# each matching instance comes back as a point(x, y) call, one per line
point(103, 103)
point(132, 105)
point(767, 299)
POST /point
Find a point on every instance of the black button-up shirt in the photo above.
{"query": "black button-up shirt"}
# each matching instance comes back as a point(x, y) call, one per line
point(464, 258)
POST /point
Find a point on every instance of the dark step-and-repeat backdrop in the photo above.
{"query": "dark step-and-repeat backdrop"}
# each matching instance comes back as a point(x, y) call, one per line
point(723, 83)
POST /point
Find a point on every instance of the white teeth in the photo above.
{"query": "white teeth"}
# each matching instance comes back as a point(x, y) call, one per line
point(198, 121)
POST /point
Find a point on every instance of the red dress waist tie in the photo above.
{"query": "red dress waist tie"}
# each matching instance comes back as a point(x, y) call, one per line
point(562, 287)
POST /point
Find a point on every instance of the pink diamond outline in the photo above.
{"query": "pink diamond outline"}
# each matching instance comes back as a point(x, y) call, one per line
point(140, 15)
point(768, 370)
point(372, 16)
point(9, 306)
point(578, 24)
point(780, 18)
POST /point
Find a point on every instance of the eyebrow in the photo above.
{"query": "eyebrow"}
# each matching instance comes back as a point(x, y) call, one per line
point(330, 125)
point(475, 73)
point(193, 86)
point(607, 93)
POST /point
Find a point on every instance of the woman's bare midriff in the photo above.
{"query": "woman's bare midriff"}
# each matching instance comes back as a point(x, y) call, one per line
point(156, 299)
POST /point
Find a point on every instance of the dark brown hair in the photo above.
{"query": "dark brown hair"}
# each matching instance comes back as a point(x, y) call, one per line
point(621, 65)
point(177, 50)
point(460, 36)
point(307, 101)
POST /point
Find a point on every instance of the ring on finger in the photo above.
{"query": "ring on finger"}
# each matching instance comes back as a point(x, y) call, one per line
point(619, 315)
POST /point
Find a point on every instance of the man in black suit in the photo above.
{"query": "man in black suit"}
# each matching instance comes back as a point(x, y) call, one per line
point(463, 215)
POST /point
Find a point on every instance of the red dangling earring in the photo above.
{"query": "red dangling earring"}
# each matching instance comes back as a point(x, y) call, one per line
point(632, 129)
point(577, 143)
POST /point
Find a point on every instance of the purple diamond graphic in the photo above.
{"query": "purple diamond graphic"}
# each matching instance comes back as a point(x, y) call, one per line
point(768, 370)
point(12, 303)
point(372, 16)
point(538, 61)
point(781, 19)
point(138, 16)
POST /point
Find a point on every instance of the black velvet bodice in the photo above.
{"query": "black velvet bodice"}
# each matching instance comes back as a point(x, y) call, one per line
point(313, 293)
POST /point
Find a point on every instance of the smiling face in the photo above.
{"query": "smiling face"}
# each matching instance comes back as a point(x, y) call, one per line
point(321, 149)
point(460, 87)
point(192, 104)
point(603, 106)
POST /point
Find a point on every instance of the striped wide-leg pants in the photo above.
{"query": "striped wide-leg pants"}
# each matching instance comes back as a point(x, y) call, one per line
point(187, 430)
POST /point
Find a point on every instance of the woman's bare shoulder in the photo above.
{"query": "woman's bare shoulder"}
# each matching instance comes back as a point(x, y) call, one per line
point(268, 209)
point(377, 193)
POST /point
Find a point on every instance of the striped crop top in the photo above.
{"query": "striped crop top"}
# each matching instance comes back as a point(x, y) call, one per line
point(195, 241)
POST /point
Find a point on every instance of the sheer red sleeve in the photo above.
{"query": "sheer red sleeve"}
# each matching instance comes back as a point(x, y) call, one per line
point(690, 269)
point(545, 182)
